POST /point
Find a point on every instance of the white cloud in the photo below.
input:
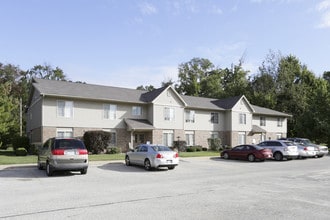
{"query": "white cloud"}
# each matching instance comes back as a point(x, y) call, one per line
point(324, 9)
point(147, 8)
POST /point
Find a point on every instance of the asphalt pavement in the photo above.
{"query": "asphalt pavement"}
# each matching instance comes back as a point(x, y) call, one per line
point(199, 188)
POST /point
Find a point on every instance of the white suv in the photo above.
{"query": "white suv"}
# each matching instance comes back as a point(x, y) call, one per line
point(281, 149)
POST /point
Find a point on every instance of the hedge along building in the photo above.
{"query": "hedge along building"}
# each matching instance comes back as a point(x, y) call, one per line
point(67, 109)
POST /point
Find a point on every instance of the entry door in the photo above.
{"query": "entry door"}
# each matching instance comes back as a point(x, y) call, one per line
point(139, 138)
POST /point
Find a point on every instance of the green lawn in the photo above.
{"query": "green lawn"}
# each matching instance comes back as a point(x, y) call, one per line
point(8, 157)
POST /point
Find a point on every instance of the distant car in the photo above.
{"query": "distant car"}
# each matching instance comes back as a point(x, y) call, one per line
point(305, 151)
point(152, 156)
point(320, 150)
point(247, 152)
point(67, 154)
point(281, 149)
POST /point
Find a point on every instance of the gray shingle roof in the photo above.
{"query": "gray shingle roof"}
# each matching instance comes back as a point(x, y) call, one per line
point(87, 91)
point(110, 93)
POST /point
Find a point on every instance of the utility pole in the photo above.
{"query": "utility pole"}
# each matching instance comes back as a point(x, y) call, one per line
point(20, 117)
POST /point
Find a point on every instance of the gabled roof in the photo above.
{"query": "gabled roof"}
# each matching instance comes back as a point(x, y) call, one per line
point(87, 91)
point(108, 93)
point(266, 111)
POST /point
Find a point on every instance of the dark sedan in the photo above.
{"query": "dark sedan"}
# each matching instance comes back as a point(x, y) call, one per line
point(247, 152)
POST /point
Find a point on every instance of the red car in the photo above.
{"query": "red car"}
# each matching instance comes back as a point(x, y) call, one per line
point(247, 152)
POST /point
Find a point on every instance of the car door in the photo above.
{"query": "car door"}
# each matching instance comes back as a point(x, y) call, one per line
point(236, 151)
point(44, 151)
point(141, 154)
point(242, 152)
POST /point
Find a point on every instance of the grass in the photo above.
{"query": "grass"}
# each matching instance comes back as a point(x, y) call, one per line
point(8, 156)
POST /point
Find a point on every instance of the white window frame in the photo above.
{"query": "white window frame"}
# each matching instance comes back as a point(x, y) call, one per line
point(214, 135)
point(190, 138)
point(190, 116)
point(169, 114)
point(109, 111)
point(168, 138)
point(279, 122)
point(64, 109)
point(241, 138)
point(64, 132)
point(136, 110)
point(242, 118)
point(278, 135)
point(214, 117)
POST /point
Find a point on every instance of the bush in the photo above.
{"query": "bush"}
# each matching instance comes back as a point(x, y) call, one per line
point(97, 141)
point(194, 148)
point(21, 142)
point(113, 150)
point(21, 152)
point(215, 144)
point(181, 146)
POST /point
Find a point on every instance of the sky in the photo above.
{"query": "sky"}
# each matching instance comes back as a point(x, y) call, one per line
point(128, 43)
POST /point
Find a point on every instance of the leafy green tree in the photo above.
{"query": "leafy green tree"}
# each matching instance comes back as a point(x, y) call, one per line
point(146, 88)
point(191, 74)
point(46, 72)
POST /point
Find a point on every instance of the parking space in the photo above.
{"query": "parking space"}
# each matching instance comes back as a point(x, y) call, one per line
point(199, 188)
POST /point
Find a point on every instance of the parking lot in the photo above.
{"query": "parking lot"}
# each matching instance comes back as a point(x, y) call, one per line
point(199, 188)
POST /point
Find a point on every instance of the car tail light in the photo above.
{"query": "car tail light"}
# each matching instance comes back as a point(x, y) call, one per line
point(176, 155)
point(305, 148)
point(58, 152)
point(159, 156)
point(83, 151)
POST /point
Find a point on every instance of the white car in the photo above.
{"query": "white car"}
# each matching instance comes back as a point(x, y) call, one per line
point(281, 149)
point(152, 156)
point(306, 151)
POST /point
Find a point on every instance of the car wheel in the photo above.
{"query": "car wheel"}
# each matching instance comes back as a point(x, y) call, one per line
point(251, 157)
point(127, 161)
point(278, 156)
point(226, 156)
point(171, 167)
point(49, 170)
point(147, 164)
point(83, 171)
point(320, 156)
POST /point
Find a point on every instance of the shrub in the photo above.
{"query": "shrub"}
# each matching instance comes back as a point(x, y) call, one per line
point(21, 142)
point(97, 141)
point(215, 144)
point(21, 152)
point(181, 146)
point(204, 149)
point(113, 150)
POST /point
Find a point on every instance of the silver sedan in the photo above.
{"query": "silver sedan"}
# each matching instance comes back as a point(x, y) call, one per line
point(152, 156)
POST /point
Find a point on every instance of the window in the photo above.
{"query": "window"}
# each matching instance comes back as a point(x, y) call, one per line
point(190, 138)
point(109, 111)
point(168, 138)
point(214, 118)
point(64, 132)
point(262, 121)
point(242, 118)
point(278, 136)
point(190, 116)
point(241, 138)
point(279, 122)
point(214, 135)
point(136, 110)
point(65, 109)
point(168, 114)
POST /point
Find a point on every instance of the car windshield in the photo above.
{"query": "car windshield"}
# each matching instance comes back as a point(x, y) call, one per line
point(69, 144)
point(288, 143)
point(258, 147)
point(306, 141)
point(160, 148)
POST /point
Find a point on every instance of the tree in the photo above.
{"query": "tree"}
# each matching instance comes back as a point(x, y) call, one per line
point(191, 74)
point(146, 88)
point(46, 72)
